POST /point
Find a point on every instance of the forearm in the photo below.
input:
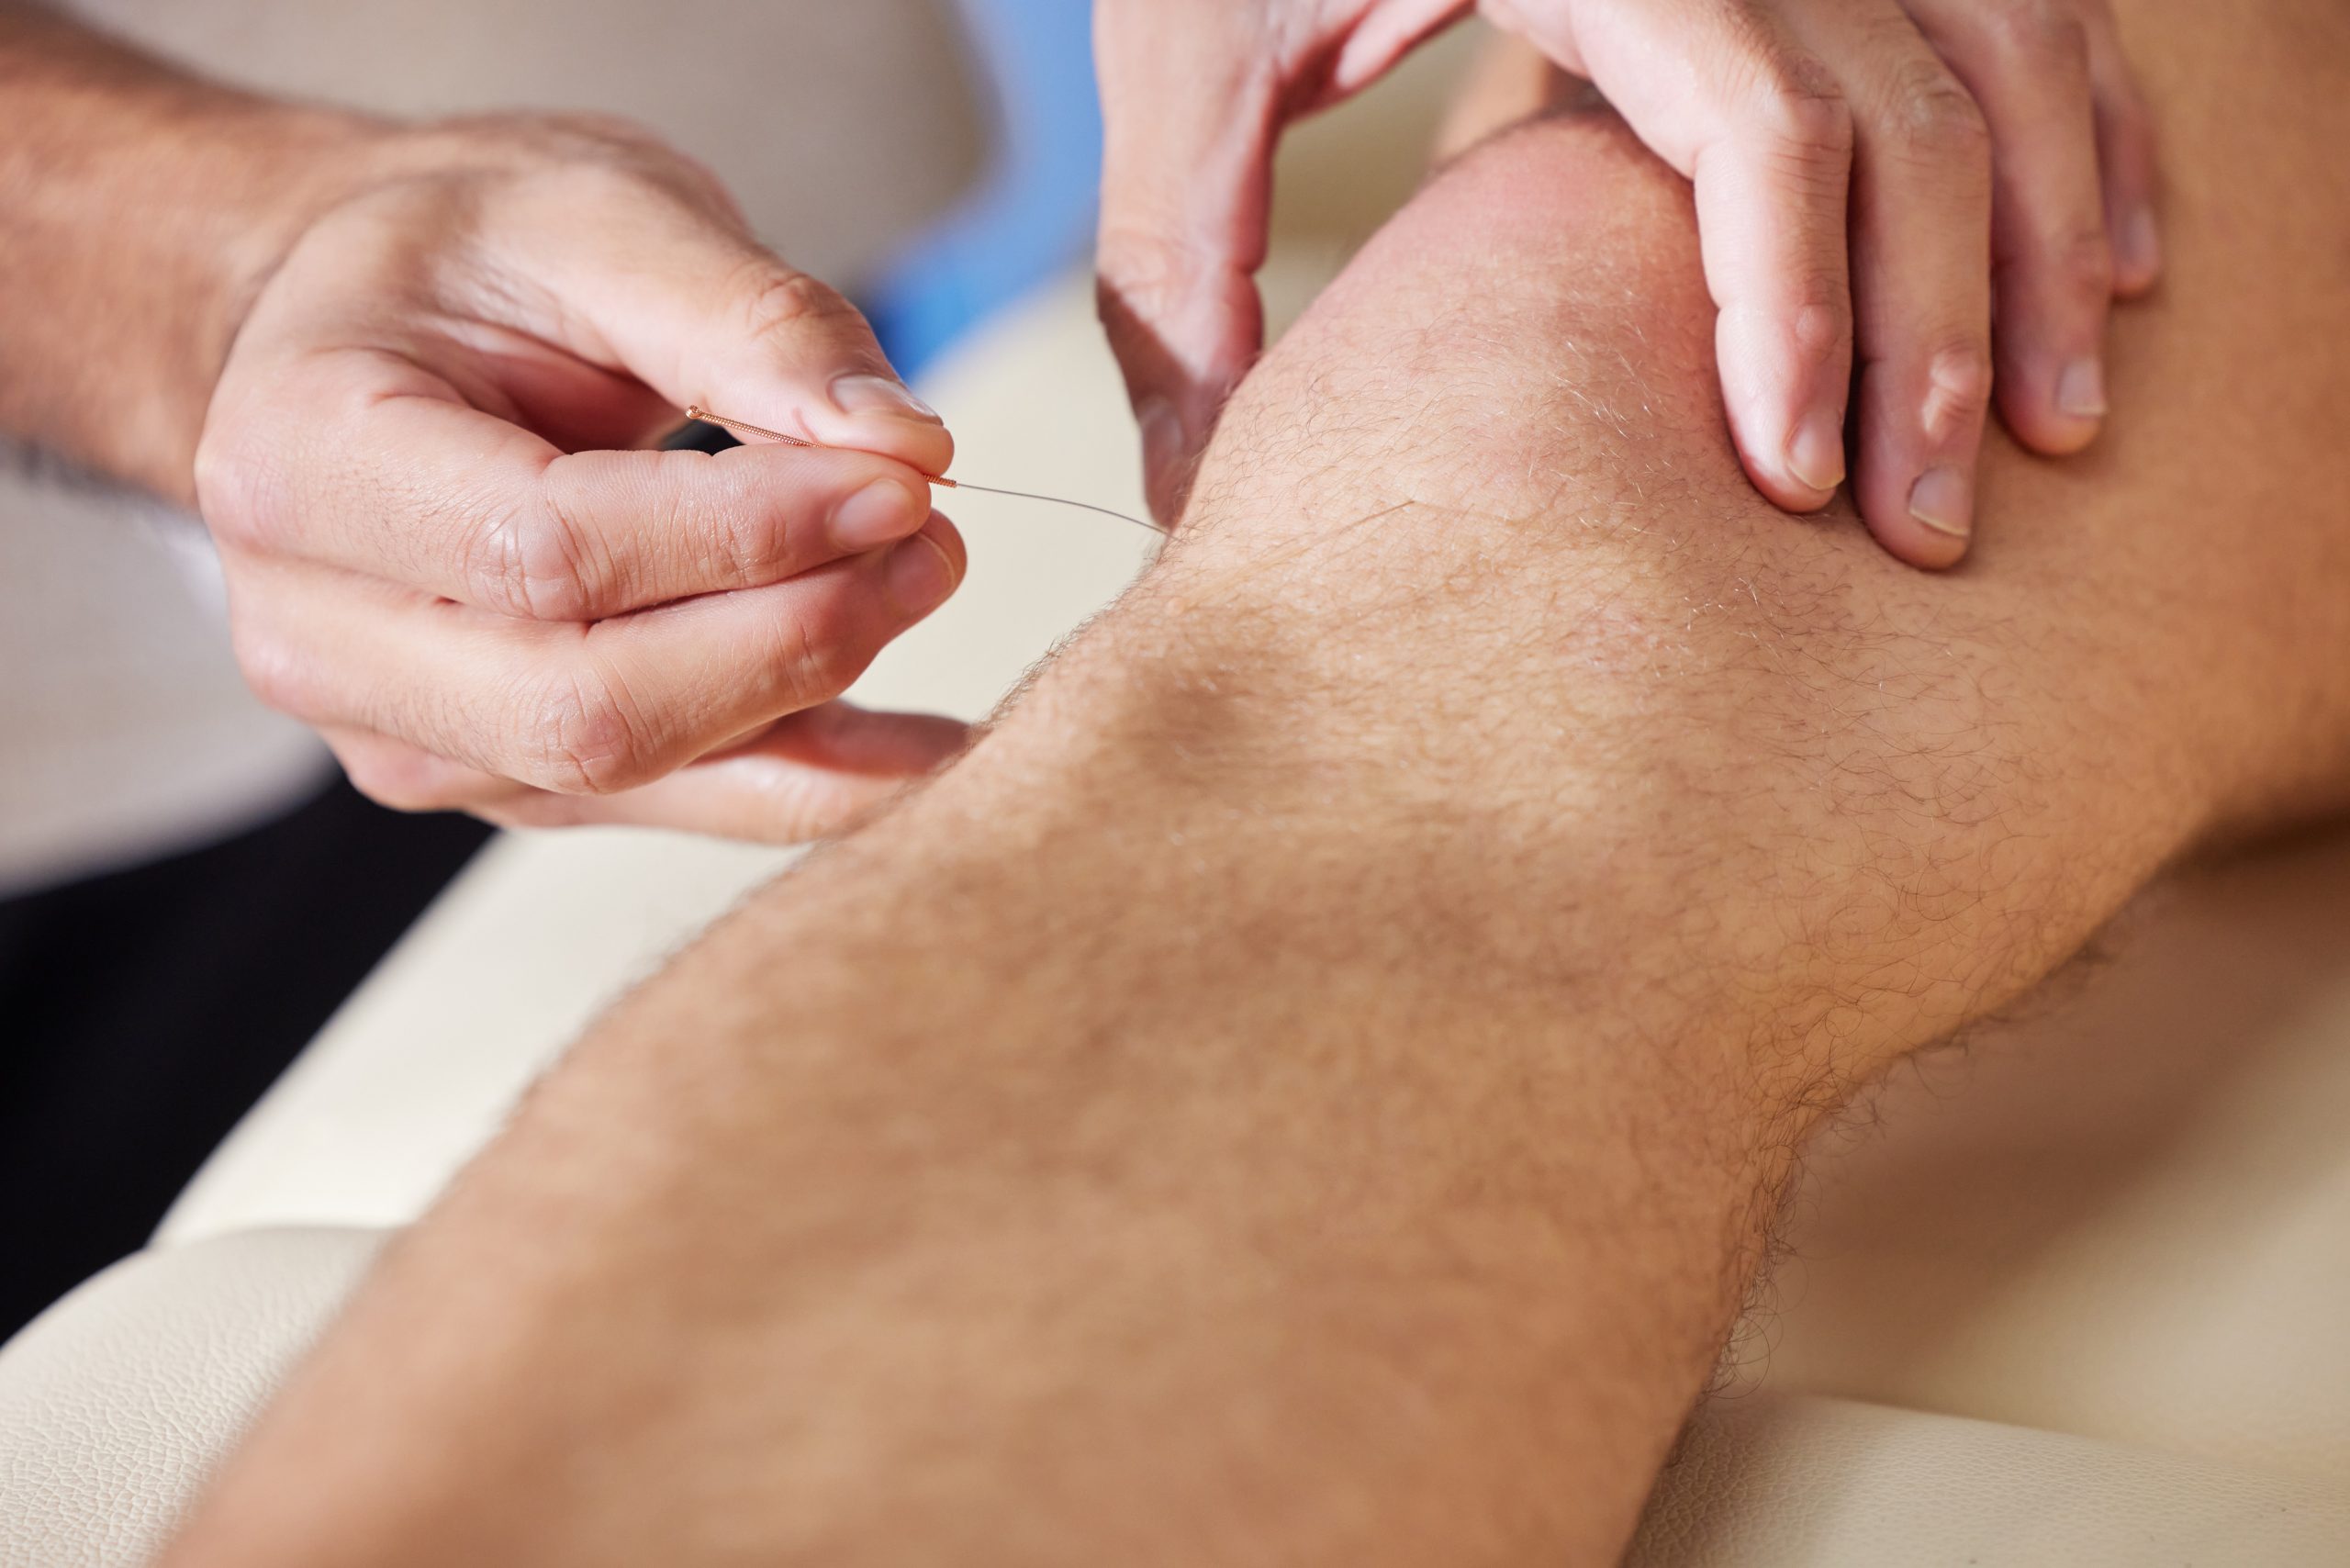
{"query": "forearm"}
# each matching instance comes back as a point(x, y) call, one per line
point(1313, 1085)
point(139, 209)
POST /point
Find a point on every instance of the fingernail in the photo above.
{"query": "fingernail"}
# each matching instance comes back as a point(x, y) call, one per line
point(864, 394)
point(1940, 500)
point(920, 575)
point(1162, 435)
point(883, 511)
point(2138, 246)
point(1816, 455)
point(2080, 390)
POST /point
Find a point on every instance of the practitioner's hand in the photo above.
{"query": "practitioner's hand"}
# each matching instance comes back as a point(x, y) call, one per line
point(445, 550)
point(1869, 175)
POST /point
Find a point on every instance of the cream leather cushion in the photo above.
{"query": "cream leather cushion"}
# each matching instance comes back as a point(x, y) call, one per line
point(1778, 1481)
point(115, 1405)
point(119, 1400)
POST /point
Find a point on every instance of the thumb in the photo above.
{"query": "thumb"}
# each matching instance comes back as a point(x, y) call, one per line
point(1190, 111)
point(702, 313)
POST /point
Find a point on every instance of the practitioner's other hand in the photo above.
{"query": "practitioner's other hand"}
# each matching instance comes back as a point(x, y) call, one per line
point(1872, 176)
point(447, 550)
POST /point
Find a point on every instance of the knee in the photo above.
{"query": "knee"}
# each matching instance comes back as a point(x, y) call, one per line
point(1533, 327)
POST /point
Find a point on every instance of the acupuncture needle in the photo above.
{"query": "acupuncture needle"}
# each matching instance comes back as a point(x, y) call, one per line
point(696, 411)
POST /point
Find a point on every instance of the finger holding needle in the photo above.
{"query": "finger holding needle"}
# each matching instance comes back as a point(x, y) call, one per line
point(696, 411)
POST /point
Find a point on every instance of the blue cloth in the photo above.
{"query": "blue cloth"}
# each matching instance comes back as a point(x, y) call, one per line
point(1032, 213)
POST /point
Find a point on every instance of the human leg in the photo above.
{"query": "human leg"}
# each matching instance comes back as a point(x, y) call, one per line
point(1313, 1084)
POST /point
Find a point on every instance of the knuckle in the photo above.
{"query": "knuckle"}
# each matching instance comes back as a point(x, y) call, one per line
point(539, 562)
point(2083, 266)
point(586, 176)
point(704, 184)
point(1801, 108)
point(740, 546)
point(582, 159)
point(241, 489)
point(400, 783)
point(590, 132)
point(1143, 268)
point(779, 301)
point(281, 674)
point(1930, 118)
point(1958, 387)
point(1152, 292)
point(1823, 325)
point(719, 527)
point(537, 809)
point(2124, 117)
point(368, 780)
point(610, 158)
point(586, 738)
point(809, 666)
point(2038, 29)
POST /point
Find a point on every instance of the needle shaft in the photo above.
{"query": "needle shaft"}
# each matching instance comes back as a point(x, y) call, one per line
point(696, 411)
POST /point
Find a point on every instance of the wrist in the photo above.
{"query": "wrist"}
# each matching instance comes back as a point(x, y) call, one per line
point(280, 168)
point(140, 210)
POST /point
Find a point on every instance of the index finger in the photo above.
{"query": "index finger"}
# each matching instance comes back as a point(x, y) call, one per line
point(1190, 111)
point(1772, 192)
point(1726, 96)
point(401, 480)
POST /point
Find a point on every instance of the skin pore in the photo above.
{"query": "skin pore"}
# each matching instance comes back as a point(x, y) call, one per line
point(1313, 1085)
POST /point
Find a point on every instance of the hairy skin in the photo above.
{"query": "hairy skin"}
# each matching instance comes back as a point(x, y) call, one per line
point(1313, 1084)
point(112, 335)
